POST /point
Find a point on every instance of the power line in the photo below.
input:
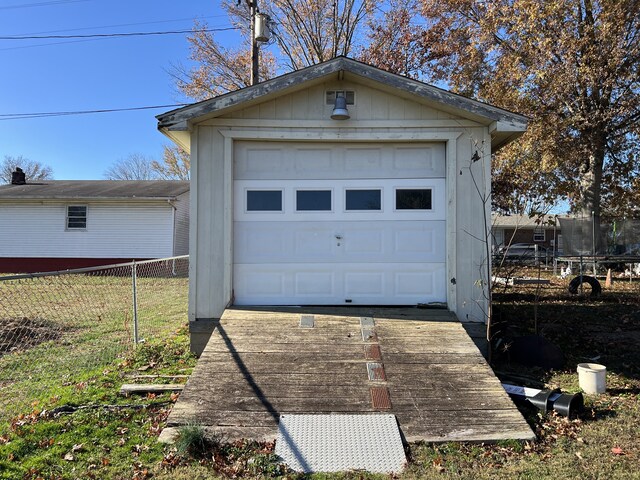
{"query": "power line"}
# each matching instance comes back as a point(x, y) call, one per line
point(113, 35)
point(50, 43)
point(41, 4)
point(119, 25)
point(21, 116)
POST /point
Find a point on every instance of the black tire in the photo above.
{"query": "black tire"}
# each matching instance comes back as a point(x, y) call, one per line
point(574, 285)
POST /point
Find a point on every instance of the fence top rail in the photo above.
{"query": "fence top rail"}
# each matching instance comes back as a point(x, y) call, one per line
point(588, 258)
point(88, 269)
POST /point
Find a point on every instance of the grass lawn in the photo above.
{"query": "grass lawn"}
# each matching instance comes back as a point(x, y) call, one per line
point(115, 436)
point(56, 329)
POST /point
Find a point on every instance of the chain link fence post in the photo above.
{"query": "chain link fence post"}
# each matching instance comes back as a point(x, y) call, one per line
point(134, 281)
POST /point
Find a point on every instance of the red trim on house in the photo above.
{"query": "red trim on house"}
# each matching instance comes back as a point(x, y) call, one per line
point(33, 265)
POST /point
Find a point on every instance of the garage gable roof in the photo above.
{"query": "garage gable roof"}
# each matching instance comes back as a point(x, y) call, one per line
point(507, 125)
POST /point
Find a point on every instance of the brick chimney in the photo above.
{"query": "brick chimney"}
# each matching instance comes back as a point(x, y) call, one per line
point(18, 177)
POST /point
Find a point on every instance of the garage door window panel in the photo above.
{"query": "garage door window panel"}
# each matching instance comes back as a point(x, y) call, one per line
point(314, 201)
point(264, 201)
point(359, 200)
point(413, 199)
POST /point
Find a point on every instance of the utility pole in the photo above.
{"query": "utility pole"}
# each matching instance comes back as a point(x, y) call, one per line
point(255, 49)
point(259, 33)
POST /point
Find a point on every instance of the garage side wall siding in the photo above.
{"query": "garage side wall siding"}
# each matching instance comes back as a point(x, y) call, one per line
point(378, 117)
point(181, 225)
point(208, 228)
point(471, 230)
point(113, 231)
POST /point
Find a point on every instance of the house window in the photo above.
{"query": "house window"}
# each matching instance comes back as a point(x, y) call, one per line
point(413, 199)
point(313, 200)
point(538, 235)
point(363, 200)
point(76, 217)
point(264, 200)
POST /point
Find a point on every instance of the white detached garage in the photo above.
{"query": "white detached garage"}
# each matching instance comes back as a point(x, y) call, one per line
point(350, 223)
point(293, 207)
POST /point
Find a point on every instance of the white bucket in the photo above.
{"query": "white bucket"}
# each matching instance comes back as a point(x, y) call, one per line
point(592, 378)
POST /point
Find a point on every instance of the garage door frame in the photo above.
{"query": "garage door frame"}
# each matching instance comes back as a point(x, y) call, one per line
point(230, 136)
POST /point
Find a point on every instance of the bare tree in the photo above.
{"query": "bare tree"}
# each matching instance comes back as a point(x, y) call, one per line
point(134, 167)
point(314, 31)
point(306, 32)
point(175, 164)
point(34, 171)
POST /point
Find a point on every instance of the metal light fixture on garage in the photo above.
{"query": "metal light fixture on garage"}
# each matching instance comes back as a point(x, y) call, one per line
point(340, 111)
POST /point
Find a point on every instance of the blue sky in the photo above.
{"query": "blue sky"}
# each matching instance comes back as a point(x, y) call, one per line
point(55, 75)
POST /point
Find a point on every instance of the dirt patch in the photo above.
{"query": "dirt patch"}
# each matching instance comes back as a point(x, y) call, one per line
point(605, 328)
point(20, 334)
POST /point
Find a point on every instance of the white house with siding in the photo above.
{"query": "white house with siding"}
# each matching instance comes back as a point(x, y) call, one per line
point(299, 200)
point(62, 224)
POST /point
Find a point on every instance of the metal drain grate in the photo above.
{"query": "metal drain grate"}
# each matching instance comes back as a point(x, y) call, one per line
point(367, 322)
point(372, 352)
point(380, 398)
point(337, 443)
point(376, 371)
point(369, 334)
point(307, 321)
point(367, 326)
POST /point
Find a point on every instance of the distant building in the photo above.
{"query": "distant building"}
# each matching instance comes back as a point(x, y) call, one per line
point(64, 224)
point(537, 230)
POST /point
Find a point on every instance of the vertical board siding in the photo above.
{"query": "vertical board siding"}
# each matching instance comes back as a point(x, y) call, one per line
point(181, 225)
point(371, 104)
point(208, 266)
point(472, 259)
point(113, 231)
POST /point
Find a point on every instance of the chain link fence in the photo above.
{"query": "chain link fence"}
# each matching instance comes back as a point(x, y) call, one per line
point(57, 327)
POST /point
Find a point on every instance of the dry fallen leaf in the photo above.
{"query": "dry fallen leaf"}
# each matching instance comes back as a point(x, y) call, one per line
point(69, 458)
point(617, 451)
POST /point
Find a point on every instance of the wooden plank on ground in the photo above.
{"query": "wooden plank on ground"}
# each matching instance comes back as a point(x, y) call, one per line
point(462, 433)
point(287, 338)
point(222, 418)
point(310, 368)
point(336, 355)
point(442, 369)
point(433, 358)
point(438, 381)
point(279, 378)
point(129, 388)
point(257, 347)
point(354, 404)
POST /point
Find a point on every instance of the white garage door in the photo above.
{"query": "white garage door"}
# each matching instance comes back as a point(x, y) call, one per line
point(335, 225)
